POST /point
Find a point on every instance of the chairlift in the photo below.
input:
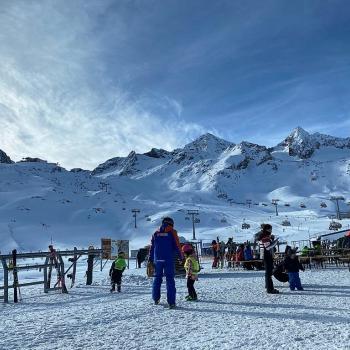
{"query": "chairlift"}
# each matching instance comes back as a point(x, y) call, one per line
point(302, 205)
point(245, 226)
point(334, 225)
point(223, 220)
point(197, 221)
point(323, 205)
point(187, 218)
point(148, 219)
point(286, 223)
point(286, 204)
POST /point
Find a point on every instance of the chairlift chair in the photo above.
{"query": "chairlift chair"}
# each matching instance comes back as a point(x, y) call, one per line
point(286, 223)
point(335, 225)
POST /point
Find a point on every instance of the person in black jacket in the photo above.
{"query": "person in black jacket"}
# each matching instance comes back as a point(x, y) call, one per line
point(292, 266)
point(267, 244)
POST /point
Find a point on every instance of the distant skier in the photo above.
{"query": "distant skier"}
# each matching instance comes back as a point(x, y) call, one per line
point(165, 246)
point(240, 254)
point(292, 267)
point(116, 271)
point(267, 244)
point(192, 269)
point(215, 249)
point(222, 250)
point(248, 255)
point(231, 248)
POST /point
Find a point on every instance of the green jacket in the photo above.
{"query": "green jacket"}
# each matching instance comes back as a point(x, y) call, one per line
point(118, 264)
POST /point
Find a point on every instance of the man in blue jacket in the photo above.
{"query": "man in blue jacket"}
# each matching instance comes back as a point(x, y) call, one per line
point(165, 246)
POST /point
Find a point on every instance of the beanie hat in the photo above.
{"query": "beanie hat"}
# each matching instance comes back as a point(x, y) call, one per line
point(187, 248)
point(168, 221)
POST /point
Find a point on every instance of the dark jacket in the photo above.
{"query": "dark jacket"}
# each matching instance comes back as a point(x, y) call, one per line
point(292, 264)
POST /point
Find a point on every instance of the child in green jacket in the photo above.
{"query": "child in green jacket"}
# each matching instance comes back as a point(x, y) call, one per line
point(116, 271)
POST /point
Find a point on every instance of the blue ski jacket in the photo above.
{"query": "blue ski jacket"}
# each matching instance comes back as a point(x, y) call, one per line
point(164, 245)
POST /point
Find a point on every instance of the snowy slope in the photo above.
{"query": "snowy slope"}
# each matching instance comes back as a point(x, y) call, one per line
point(40, 201)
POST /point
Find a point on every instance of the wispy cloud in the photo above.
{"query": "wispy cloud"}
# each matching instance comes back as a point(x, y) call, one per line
point(56, 100)
point(83, 81)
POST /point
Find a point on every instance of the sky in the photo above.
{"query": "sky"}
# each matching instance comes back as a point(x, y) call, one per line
point(85, 81)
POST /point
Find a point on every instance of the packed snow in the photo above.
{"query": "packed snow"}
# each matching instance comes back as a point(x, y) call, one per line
point(233, 312)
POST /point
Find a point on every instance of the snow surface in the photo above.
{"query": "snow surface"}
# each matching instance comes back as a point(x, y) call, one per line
point(234, 312)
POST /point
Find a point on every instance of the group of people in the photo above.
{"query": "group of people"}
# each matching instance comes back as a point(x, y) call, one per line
point(165, 248)
point(230, 252)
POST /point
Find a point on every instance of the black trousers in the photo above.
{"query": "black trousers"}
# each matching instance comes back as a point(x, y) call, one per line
point(190, 286)
point(268, 264)
point(116, 278)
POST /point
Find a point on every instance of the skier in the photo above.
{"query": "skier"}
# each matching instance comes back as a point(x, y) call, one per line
point(165, 246)
point(248, 255)
point(292, 267)
point(222, 249)
point(116, 271)
point(231, 248)
point(215, 248)
point(192, 269)
point(240, 254)
point(267, 244)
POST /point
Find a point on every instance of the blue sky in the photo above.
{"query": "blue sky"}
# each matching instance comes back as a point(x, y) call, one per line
point(84, 81)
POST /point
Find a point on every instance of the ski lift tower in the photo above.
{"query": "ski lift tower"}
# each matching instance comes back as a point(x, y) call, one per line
point(249, 202)
point(336, 199)
point(193, 214)
point(135, 212)
point(275, 203)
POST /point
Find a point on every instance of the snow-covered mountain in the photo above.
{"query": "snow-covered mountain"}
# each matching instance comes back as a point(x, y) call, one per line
point(40, 200)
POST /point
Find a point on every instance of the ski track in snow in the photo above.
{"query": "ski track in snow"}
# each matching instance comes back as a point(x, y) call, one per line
point(234, 312)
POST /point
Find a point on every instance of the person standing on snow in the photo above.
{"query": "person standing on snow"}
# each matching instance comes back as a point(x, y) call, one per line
point(268, 243)
point(165, 246)
point(116, 272)
point(215, 249)
point(192, 268)
point(222, 250)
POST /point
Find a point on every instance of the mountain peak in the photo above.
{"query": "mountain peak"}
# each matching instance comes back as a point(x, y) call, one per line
point(4, 158)
point(299, 134)
point(208, 142)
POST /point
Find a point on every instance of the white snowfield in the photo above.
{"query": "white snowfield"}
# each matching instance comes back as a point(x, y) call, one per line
point(42, 202)
point(233, 312)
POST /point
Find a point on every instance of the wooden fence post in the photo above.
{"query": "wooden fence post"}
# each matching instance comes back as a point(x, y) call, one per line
point(90, 267)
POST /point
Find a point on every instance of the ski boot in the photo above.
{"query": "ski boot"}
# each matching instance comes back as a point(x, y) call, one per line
point(119, 288)
point(172, 306)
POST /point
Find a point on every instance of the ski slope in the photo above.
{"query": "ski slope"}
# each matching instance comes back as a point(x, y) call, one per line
point(42, 202)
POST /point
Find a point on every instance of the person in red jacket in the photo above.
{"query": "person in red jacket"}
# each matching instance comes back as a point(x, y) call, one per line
point(215, 248)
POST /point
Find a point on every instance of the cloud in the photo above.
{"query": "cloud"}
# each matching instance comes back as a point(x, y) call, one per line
point(83, 81)
point(56, 100)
